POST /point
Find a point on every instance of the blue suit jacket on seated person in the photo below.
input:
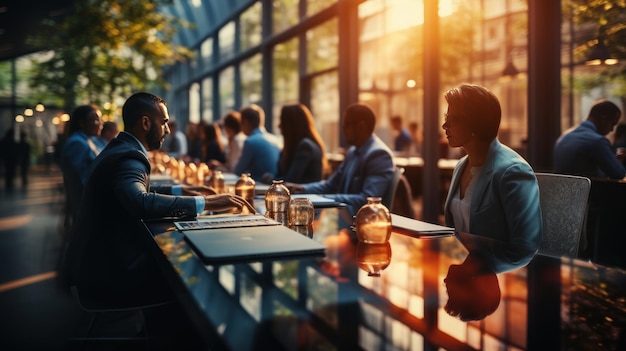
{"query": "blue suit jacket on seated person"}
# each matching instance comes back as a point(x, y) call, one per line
point(259, 155)
point(370, 175)
point(106, 252)
point(585, 152)
point(505, 204)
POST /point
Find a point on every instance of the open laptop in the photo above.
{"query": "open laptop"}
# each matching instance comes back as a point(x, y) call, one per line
point(418, 229)
point(249, 242)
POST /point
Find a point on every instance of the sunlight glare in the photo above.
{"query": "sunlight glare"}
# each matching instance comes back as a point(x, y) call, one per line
point(446, 7)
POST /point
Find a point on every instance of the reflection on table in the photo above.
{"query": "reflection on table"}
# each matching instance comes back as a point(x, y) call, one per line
point(388, 297)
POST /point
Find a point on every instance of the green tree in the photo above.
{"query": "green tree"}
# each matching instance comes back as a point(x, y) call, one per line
point(107, 48)
point(603, 20)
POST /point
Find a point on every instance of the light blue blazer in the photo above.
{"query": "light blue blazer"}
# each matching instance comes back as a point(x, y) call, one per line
point(505, 204)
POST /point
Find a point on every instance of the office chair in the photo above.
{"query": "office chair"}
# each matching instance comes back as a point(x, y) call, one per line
point(564, 209)
point(126, 324)
point(388, 196)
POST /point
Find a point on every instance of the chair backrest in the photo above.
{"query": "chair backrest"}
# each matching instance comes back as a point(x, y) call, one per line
point(402, 203)
point(564, 207)
point(388, 196)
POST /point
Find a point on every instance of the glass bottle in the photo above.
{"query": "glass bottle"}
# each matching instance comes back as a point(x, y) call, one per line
point(301, 212)
point(217, 182)
point(373, 222)
point(244, 187)
point(277, 197)
point(373, 258)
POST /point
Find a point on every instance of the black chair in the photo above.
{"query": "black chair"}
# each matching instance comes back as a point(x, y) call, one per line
point(110, 323)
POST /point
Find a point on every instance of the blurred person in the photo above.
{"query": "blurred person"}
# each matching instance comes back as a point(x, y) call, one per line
point(108, 132)
point(24, 151)
point(366, 169)
point(303, 157)
point(402, 140)
point(260, 149)
point(416, 138)
point(585, 150)
point(106, 256)
point(212, 150)
point(235, 137)
point(8, 151)
point(493, 191)
point(177, 142)
point(79, 149)
point(195, 141)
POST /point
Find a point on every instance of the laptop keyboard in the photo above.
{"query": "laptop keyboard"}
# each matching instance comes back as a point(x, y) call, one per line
point(225, 222)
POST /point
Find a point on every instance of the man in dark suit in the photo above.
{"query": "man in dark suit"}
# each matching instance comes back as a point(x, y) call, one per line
point(367, 168)
point(106, 254)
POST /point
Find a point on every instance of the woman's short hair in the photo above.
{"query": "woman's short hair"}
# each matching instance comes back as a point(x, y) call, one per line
point(480, 106)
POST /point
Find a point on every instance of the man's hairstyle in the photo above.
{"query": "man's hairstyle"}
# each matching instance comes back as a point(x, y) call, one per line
point(79, 116)
point(604, 109)
point(254, 114)
point(232, 120)
point(108, 125)
point(479, 106)
point(138, 105)
point(361, 112)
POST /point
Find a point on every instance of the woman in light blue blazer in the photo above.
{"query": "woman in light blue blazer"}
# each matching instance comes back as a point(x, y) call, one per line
point(494, 191)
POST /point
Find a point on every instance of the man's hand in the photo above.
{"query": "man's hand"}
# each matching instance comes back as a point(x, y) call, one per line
point(294, 188)
point(198, 190)
point(223, 202)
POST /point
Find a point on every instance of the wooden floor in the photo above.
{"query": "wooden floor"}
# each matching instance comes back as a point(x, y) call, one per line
point(34, 314)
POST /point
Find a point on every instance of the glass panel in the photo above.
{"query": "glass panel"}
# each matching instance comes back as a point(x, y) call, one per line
point(325, 108)
point(251, 80)
point(206, 50)
point(315, 6)
point(322, 46)
point(194, 103)
point(207, 99)
point(285, 14)
point(227, 90)
point(227, 40)
point(285, 80)
point(251, 27)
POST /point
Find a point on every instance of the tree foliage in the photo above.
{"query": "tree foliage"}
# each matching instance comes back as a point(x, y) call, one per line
point(107, 48)
point(600, 20)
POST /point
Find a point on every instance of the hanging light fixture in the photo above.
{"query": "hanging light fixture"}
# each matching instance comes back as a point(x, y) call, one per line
point(600, 55)
point(510, 70)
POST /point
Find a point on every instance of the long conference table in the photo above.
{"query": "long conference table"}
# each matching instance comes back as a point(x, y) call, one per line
point(392, 299)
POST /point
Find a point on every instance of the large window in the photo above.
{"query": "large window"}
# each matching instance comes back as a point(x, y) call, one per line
point(251, 27)
point(285, 82)
point(251, 80)
point(325, 108)
point(207, 99)
point(227, 90)
point(285, 14)
point(322, 47)
point(227, 40)
point(194, 103)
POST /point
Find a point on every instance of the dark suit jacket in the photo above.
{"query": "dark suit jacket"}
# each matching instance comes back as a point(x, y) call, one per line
point(370, 175)
point(106, 252)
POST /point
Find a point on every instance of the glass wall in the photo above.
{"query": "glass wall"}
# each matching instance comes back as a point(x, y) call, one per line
point(285, 79)
point(251, 80)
